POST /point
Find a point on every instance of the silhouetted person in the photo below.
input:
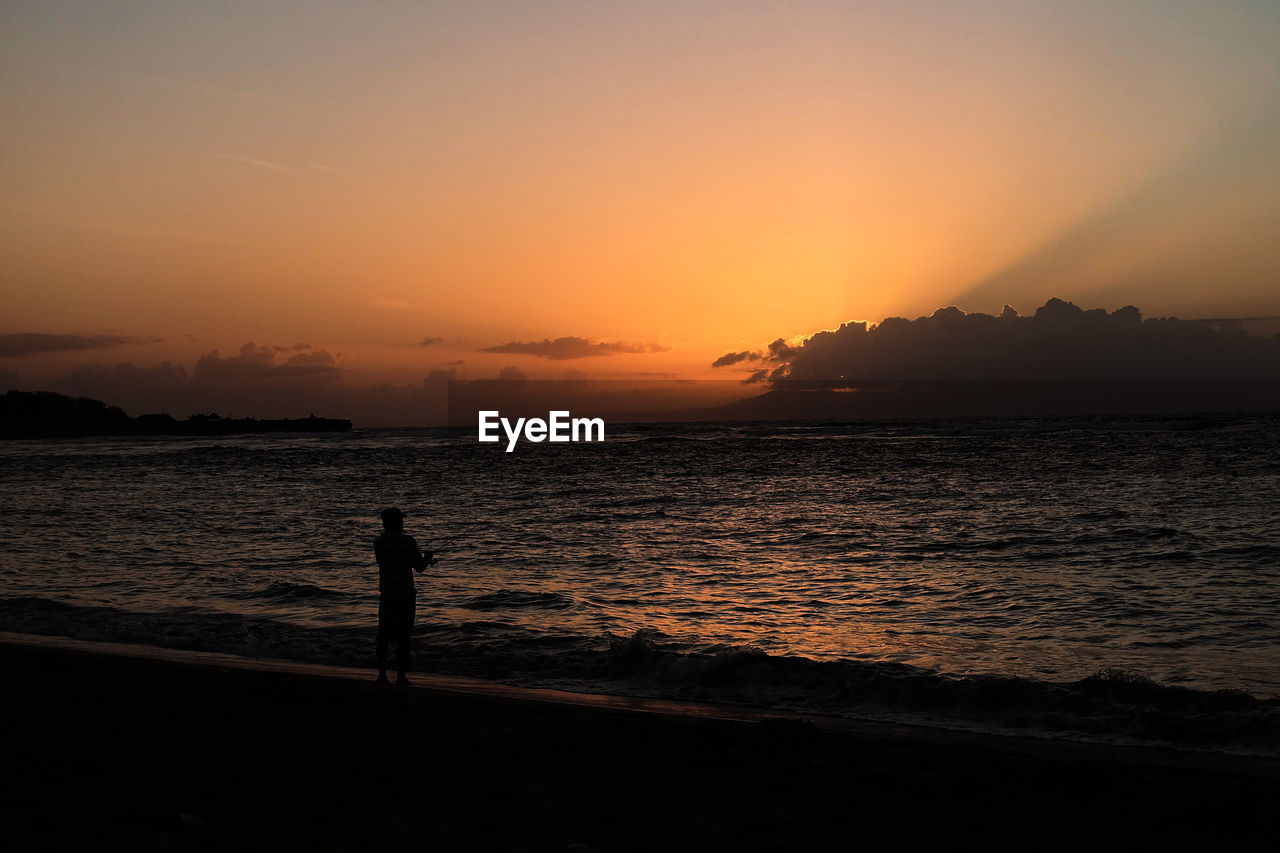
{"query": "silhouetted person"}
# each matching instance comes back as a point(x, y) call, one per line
point(398, 558)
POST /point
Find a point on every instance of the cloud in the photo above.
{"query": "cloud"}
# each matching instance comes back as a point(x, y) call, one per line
point(257, 364)
point(778, 350)
point(253, 161)
point(29, 343)
point(512, 373)
point(317, 358)
point(266, 381)
point(396, 304)
point(562, 349)
point(731, 358)
point(269, 381)
point(1060, 341)
point(430, 341)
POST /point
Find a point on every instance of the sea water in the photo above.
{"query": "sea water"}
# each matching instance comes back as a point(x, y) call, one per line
point(1106, 578)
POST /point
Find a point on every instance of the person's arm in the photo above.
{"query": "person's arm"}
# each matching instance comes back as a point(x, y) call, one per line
point(420, 560)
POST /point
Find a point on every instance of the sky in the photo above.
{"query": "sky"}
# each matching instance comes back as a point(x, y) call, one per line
point(302, 198)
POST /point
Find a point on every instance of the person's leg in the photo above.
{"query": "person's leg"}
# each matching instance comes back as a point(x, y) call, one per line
point(384, 649)
point(404, 639)
point(402, 659)
point(384, 641)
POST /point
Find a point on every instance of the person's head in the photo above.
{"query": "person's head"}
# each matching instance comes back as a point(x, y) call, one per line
point(393, 519)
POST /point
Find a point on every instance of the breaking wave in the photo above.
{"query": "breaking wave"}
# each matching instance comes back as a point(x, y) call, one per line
point(1112, 705)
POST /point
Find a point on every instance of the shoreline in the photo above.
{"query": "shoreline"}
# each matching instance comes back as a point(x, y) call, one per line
point(694, 709)
point(130, 747)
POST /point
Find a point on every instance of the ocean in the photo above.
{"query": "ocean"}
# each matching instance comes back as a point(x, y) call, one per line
point(1109, 579)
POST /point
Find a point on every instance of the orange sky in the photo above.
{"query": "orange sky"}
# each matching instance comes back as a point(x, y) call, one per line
point(702, 177)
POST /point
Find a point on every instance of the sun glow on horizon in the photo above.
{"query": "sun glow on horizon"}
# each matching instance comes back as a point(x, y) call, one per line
point(692, 179)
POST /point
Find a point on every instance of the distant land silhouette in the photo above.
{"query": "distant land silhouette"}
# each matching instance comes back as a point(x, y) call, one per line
point(44, 414)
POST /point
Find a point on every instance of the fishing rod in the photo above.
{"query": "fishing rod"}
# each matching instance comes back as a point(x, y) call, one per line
point(461, 533)
point(431, 555)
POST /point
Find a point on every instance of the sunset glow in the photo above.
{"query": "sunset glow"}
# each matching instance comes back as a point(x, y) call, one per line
point(403, 185)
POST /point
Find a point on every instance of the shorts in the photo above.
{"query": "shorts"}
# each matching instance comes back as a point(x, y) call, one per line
point(395, 615)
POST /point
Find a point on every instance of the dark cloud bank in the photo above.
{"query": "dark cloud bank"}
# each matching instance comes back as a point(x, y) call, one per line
point(282, 382)
point(1060, 360)
point(266, 381)
point(35, 343)
point(1059, 342)
point(563, 349)
point(257, 381)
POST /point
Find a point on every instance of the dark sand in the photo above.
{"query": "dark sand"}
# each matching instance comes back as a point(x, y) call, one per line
point(118, 752)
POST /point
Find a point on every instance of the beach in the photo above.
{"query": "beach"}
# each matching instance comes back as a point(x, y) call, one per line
point(106, 749)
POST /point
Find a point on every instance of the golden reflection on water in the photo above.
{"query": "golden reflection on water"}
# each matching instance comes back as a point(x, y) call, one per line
point(1036, 555)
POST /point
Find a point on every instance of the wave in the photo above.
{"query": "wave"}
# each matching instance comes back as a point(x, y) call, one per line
point(643, 500)
point(508, 599)
point(289, 590)
point(186, 628)
point(1112, 705)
